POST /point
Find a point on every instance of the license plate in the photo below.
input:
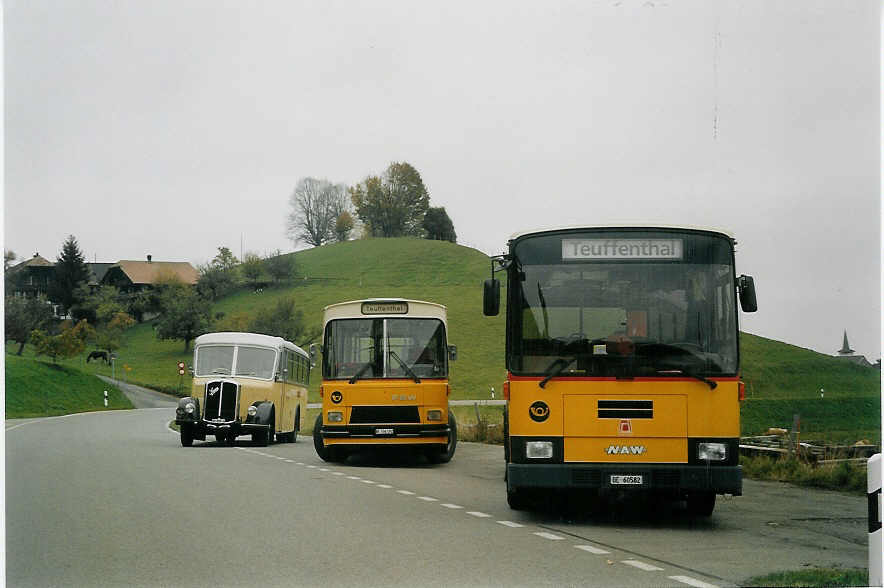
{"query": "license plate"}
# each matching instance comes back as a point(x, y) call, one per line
point(618, 480)
point(383, 431)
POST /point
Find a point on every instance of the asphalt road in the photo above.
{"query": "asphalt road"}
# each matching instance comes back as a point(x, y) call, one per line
point(112, 499)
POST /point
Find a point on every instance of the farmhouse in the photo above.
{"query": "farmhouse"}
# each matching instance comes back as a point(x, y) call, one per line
point(133, 276)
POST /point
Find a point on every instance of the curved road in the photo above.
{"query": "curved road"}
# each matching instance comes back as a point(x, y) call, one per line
point(112, 499)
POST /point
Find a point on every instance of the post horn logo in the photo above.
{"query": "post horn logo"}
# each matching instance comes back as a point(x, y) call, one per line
point(336, 396)
point(539, 411)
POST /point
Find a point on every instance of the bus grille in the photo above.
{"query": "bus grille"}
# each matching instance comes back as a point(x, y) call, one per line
point(626, 409)
point(220, 400)
point(384, 414)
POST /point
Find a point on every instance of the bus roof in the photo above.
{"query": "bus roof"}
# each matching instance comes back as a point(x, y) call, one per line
point(353, 309)
point(256, 339)
point(521, 234)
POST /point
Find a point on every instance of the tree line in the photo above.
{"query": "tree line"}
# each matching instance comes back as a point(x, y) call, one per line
point(393, 204)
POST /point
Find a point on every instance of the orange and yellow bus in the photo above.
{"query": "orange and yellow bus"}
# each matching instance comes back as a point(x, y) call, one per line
point(385, 379)
point(622, 355)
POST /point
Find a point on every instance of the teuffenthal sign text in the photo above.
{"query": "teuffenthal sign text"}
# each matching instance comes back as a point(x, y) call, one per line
point(384, 308)
point(592, 249)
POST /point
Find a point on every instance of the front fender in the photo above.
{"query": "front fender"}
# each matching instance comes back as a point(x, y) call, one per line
point(264, 414)
point(182, 414)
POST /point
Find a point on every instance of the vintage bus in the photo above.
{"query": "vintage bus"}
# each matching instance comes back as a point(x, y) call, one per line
point(622, 355)
point(245, 383)
point(385, 379)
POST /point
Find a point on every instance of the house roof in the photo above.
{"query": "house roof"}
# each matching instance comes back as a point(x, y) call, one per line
point(149, 272)
point(97, 271)
point(36, 261)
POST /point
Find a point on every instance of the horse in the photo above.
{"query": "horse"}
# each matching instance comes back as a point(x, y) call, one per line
point(98, 355)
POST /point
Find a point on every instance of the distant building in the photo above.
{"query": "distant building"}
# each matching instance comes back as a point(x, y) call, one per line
point(133, 276)
point(31, 277)
point(847, 354)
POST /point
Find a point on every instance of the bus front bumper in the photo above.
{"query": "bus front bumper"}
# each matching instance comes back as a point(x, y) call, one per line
point(673, 478)
point(373, 434)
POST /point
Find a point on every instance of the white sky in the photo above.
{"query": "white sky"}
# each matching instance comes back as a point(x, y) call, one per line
point(174, 127)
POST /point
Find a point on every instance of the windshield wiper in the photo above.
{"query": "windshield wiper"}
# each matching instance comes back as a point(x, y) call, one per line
point(361, 371)
point(556, 368)
point(679, 372)
point(405, 367)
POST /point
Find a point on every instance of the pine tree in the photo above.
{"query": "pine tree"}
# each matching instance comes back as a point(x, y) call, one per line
point(70, 272)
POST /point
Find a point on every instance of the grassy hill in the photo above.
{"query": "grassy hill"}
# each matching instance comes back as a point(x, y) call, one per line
point(37, 389)
point(782, 379)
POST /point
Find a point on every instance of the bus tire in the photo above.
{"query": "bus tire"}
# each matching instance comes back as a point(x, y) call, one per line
point(517, 498)
point(444, 453)
point(322, 451)
point(701, 504)
point(293, 438)
point(186, 436)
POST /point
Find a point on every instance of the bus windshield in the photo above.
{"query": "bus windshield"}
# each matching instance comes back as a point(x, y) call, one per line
point(623, 316)
point(385, 348)
point(256, 362)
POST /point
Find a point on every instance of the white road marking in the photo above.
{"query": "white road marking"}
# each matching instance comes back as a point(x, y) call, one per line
point(339, 473)
point(368, 481)
point(289, 461)
point(476, 513)
point(550, 536)
point(428, 498)
point(642, 565)
point(323, 469)
point(452, 506)
point(692, 582)
point(591, 549)
point(353, 478)
point(384, 486)
point(312, 467)
point(406, 492)
point(510, 524)
point(299, 463)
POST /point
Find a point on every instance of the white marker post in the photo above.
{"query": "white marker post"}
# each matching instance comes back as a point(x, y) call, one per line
point(105, 398)
point(876, 548)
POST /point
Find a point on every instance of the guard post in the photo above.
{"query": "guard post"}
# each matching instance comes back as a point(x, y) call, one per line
point(876, 548)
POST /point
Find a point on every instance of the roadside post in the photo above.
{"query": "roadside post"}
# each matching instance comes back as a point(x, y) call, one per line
point(876, 547)
point(105, 398)
point(180, 375)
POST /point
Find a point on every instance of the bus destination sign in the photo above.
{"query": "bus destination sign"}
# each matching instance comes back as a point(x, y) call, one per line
point(626, 249)
point(384, 308)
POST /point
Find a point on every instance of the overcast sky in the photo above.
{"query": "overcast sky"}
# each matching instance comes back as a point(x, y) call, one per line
point(175, 127)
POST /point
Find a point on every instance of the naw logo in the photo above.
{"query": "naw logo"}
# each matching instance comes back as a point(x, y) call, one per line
point(625, 449)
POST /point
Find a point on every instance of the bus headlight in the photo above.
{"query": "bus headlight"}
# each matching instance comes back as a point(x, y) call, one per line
point(434, 415)
point(539, 449)
point(189, 407)
point(711, 451)
point(335, 416)
point(253, 410)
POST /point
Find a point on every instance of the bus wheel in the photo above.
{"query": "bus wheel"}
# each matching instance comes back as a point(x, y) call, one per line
point(293, 436)
point(186, 436)
point(701, 503)
point(322, 451)
point(517, 498)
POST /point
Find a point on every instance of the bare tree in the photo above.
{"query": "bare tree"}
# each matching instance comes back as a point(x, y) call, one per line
point(315, 207)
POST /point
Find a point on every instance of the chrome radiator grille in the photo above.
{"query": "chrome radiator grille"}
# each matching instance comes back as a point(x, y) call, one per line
point(220, 400)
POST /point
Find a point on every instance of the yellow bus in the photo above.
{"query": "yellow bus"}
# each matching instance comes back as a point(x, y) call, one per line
point(245, 383)
point(622, 355)
point(385, 379)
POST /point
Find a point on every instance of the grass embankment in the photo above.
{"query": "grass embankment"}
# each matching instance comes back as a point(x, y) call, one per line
point(812, 578)
point(37, 388)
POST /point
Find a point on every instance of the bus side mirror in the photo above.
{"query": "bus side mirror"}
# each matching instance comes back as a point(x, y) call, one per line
point(313, 352)
point(452, 353)
point(747, 294)
point(491, 303)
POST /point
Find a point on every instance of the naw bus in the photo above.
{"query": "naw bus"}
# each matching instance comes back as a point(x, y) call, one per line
point(245, 383)
point(385, 379)
point(622, 355)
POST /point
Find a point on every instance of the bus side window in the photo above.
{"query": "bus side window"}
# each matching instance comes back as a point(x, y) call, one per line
point(306, 372)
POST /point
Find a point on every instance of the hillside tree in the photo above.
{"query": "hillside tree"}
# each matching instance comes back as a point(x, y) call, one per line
point(394, 204)
point(343, 226)
point(285, 320)
point(280, 267)
point(438, 225)
point(252, 267)
point(225, 260)
point(22, 315)
point(69, 342)
point(314, 207)
point(185, 315)
point(70, 272)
